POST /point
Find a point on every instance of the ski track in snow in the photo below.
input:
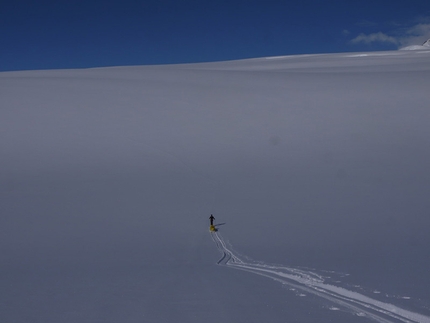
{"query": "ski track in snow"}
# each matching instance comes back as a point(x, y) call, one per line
point(312, 283)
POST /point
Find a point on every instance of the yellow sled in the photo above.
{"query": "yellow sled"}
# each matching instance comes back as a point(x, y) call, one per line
point(212, 228)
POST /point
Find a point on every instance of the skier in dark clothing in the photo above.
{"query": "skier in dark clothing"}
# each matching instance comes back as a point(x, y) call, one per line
point(211, 218)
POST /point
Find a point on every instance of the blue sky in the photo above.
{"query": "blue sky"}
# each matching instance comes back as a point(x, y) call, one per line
point(75, 34)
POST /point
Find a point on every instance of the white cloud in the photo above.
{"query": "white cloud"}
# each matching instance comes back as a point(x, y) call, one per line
point(375, 37)
point(416, 35)
point(402, 37)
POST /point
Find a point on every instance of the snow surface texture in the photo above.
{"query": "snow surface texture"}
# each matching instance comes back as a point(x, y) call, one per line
point(108, 177)
point(310, 282)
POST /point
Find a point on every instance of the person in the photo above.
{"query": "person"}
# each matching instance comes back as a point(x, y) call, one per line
point(212, 218)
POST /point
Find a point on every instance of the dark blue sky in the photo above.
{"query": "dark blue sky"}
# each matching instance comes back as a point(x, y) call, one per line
point(74, 34)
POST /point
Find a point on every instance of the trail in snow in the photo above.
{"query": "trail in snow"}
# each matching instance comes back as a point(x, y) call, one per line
point(311, 282)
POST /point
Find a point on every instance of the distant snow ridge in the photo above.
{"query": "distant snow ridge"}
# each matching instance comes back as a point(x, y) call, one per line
point(311, 283)
point(424, 46)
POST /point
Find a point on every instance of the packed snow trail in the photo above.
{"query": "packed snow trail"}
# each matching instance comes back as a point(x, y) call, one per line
point(310, 282)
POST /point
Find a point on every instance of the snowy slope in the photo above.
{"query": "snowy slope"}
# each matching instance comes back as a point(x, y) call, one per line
point(315, 163)
point(424, 46)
